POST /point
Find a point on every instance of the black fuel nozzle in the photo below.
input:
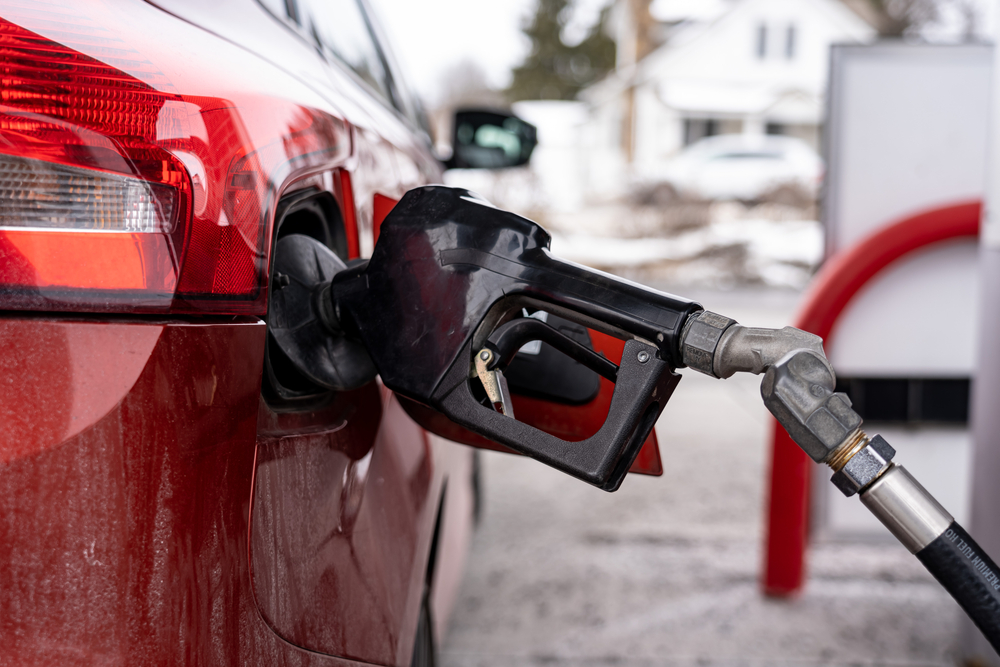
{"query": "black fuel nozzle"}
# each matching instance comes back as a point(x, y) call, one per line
point(436, 312)
point(448, 277)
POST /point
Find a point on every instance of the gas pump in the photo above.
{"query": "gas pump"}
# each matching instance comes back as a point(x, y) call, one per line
point(437, 313)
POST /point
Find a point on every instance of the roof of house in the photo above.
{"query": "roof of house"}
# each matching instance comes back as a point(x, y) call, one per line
point(703, 79)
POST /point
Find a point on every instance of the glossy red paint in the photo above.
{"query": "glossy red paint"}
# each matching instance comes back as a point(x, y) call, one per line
point(124, 524)
point(841, 277)
point(381, 206)
point(345, 192)
point(125, 542)
point(326, 507)
point(130, 447)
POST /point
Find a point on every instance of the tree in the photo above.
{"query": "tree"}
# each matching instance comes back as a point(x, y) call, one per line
point(896, 18)
point(554, 70)
point(899, 18)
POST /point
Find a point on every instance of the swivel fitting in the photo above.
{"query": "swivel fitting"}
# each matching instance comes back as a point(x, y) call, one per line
point(798, 385)
point(702, 333)
point(799, 392)
point(718, 346)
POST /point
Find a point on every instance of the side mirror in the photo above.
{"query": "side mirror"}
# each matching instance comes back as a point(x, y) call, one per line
point(484, 139)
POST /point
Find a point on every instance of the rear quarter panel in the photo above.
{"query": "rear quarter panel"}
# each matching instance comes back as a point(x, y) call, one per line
point(129, 446)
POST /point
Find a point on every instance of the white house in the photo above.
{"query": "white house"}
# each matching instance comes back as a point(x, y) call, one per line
point(724, 66)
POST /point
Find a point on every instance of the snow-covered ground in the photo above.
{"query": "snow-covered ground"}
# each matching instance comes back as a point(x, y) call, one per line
point(689, 244)
point(726, 251)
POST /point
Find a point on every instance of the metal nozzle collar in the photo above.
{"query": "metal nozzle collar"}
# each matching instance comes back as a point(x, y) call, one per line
point(702, 333)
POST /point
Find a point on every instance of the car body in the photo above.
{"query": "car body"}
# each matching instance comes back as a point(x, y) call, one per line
point(174, 489)
point(170, 492)
point(743, 166)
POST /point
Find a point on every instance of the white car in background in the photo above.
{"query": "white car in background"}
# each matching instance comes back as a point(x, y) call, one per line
point(744, 167)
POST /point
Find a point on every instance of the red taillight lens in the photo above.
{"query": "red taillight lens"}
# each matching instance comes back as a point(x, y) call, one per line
point(64, 228)
point(118, 193)
point(93, 213)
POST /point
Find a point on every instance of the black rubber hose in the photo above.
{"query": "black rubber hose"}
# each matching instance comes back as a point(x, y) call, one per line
point(971, 577)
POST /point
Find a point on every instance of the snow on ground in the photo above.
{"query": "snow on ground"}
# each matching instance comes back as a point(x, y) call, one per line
point(689, 243)
point(729, 249)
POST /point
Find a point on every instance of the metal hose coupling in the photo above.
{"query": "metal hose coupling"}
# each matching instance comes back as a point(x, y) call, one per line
point(859, 462)
point(891, 493)
point(906, 508)
point(798, 388)
point(798, 385)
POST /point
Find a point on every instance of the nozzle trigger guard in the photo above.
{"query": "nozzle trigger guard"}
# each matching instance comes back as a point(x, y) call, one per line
point(642, 389)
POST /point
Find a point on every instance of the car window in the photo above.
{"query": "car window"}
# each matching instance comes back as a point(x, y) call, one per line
point(748, 155)
point(409, 102)
point(278, 8)
point(341, 30)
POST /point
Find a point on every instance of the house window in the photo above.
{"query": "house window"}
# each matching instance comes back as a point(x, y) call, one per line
point(762, 41)
point(699, 128)
point(790, 42)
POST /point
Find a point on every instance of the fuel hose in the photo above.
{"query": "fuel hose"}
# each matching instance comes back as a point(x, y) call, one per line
point(799, 389)
point(941, 544)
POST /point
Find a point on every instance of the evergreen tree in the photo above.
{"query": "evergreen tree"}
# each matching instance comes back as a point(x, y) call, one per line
point(554, 70)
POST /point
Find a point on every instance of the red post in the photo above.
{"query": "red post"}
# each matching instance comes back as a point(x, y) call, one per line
point(841, 277)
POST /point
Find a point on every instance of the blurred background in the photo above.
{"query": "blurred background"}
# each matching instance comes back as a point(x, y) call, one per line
point(721, 150)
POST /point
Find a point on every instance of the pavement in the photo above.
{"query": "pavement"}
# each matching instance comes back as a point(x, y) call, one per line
point(666, 570)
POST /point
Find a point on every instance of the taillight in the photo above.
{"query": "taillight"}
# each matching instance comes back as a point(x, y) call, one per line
point(120, 193)
point(93, 212)
point(45, 195)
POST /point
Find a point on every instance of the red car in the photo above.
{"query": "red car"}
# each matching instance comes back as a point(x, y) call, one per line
point(172, 489)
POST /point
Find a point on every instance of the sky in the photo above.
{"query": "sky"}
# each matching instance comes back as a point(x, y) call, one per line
point(429, 36)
